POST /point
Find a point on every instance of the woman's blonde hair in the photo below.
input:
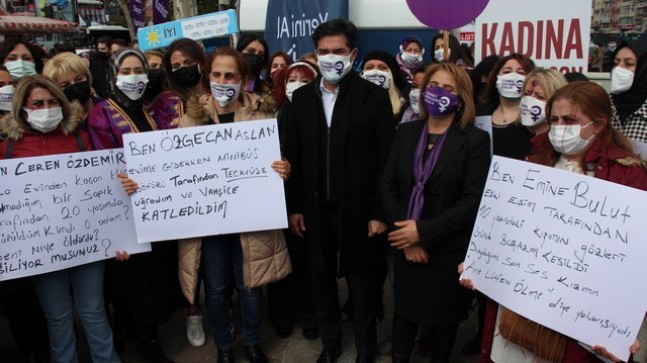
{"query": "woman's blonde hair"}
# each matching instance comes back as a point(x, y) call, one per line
point(466, 112)
point(549, 79)
point(24, 88)
point(64, 63)
point(394, 95)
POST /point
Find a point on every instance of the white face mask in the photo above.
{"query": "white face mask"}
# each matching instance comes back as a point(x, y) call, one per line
point(6, 96)
point(411, 60)
point(533, 111)
point(621, 79)
point(378, 77)
point(334, 67)
point(44, 120)
point(291, 87)
point(225, 93)
point(439, 54)
point(414, 100)
point(19, 69)
point(566, 139)
point(133, 86)
point(509, 84)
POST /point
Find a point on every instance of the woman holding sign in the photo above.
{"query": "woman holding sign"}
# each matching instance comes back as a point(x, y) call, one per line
point(143, 290)
point(227, 73)
point(431, 189)
point(43, 122)
point(582, 141)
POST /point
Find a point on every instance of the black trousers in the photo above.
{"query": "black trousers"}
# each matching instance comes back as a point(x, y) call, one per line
point(441, 344)
point(362, 288)
point(291, 300)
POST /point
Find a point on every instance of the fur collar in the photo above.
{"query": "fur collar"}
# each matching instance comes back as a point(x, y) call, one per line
point(201, 108)
point(13, 128)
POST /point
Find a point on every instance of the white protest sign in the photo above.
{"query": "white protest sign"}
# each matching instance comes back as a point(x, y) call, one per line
point(485, 123)
point(563, 249)
point(61, 211)
point(206, 180)
point(553, 33)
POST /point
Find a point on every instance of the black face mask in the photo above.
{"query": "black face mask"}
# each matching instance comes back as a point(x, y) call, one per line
point(156, 83)
point(156, 79)
point(78, 91)
point(255, 63)
point(187, 77)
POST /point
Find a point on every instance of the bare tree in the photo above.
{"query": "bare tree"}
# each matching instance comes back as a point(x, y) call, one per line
point(129, 20)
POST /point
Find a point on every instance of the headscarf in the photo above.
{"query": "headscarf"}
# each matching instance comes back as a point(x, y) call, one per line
point(411, 39)
point(133, 108)
point(115, 62)
point(389, 60)
point(628, 102)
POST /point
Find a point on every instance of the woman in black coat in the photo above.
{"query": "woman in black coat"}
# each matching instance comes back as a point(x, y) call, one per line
point(431, 190)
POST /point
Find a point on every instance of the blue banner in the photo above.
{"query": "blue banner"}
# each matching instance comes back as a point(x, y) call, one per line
point(290, 23)
point(196, 28)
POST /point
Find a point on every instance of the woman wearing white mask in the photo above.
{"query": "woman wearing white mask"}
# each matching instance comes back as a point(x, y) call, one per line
point(409, 57)
point(538, 87)
point(20, 58)
point(629, 90)
point(227, 73)
point(43, 122)
point(501, 100)
point(144, 289)
point(123, 111)
point(289, 80)
point(382, 69)
point(414, 110)
point(6, 91)
point(582, 141)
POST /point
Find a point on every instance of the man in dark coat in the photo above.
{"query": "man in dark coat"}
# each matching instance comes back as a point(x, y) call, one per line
point(339, 133)
point(99, 66)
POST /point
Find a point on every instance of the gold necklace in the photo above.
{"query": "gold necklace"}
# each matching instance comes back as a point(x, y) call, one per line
point(505, 122)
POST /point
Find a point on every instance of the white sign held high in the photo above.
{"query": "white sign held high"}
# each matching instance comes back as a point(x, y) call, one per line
point(206, 180)
point(61, 211)
point(553, 33)
point(560, 248)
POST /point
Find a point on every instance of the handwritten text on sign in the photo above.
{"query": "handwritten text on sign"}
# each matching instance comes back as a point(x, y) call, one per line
point(206, 180)
point(559, 248)
point(61, 211)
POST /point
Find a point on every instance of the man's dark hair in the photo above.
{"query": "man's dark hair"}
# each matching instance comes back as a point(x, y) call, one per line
point(120, 42)
point(106, 39)
point(62, 48)
point(336, 27)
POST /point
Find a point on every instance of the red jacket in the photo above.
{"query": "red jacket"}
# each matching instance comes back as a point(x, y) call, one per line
point(26, 142)
point(608, 163)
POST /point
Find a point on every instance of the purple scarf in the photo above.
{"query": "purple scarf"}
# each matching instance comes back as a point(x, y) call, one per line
point(422, 171)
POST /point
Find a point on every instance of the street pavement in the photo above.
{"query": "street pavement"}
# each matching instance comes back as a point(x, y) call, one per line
point(294, 349)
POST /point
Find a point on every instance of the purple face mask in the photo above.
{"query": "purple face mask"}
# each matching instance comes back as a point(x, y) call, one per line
point(439, 102)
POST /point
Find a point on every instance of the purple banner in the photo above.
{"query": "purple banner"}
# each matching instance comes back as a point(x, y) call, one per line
point(161, 11)
point(137, 13)
point(446, 14)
